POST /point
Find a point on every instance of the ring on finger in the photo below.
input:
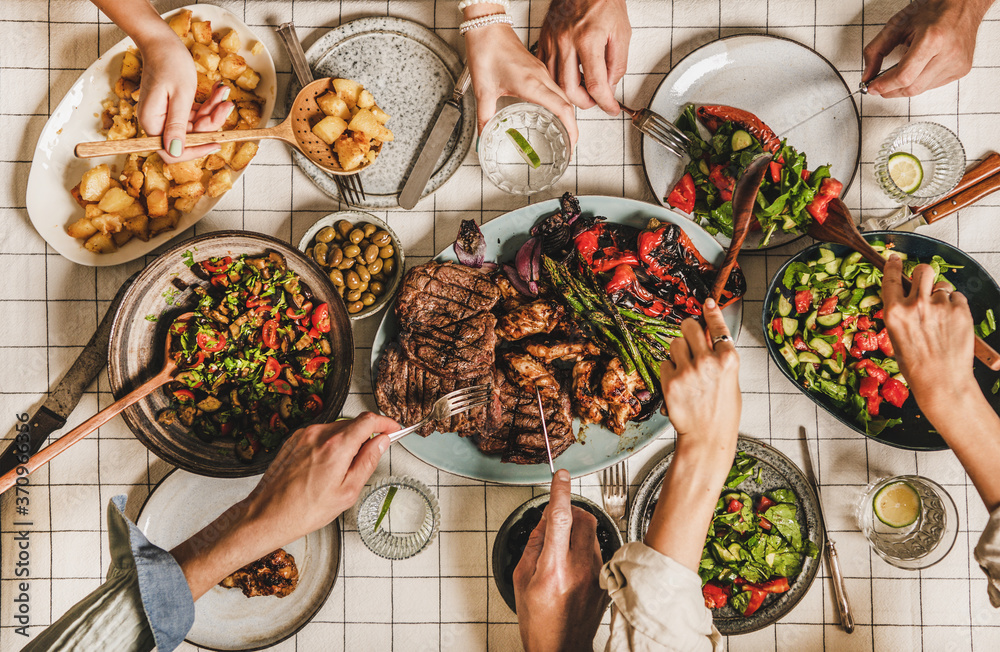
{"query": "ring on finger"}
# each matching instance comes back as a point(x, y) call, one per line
point(721, 338)
point(941, 289)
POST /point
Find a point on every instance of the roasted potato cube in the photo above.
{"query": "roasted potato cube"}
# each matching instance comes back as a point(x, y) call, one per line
point(230, 42)
point(189, 190)
point(204, 87)
point(75, 192)
point(329, 129)
point(154, 177)
point(201, 30)
point(371, 155)
point(126, 109)
point(256, 48)
point(221, 182)
point(186, 204)
point(243, 155)
point(204, 57)
point(115, 200)
point(158, 225)
point(183, 172)
point(181, 23)
point(334, 105)
point(227, 150)
point(348, 90)
point(215, 162)
point(232, 120)
point(124, 88)
point(100, 243)
point(132, 210)
point(157, 203)
point(121, 129)
point(121, 237)
point(131, 67)
point(83, 228)
point(238, 94)
point(248, 80)
point(366, 123)
point(251, 116)
point(95, 182)
point(138, 226)
point(232, 66)
point(351, 150)
point(365, 100)
point(379, 114)
point(133, 182)
point(91, 211)
point(108, 223)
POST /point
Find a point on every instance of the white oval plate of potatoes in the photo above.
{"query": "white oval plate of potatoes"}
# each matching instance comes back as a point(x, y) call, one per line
point(164, 203)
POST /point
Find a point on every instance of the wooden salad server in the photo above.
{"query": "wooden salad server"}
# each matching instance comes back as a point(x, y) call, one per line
point(840, 228)
point(744, 198)
point(47, 454)
point(296, 131)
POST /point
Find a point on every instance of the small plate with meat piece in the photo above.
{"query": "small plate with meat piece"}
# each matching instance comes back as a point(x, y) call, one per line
point(443, 334)
point(288, 588)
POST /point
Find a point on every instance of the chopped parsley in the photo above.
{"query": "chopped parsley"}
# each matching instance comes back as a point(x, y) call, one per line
point(152, 318)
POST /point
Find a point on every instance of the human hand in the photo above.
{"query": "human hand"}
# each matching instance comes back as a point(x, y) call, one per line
point(701, 385)
point(941, 38)
point(556, 587)
point(932, 336)
point(591, 33)
point(501, 66)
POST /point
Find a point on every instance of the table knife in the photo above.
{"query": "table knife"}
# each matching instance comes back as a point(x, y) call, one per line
point(441, 133)
point(862, 90)
point(52, 415)
point(978, 182)
point(833, 561)
point(545, 430)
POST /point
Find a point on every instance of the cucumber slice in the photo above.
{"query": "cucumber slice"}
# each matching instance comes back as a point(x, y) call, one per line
point(900, 378)
point(833, 266)
point(862, 282)
point(830, 320)
point(703, 166)
point(789, 224)
point(835, 366)
point(789, 326)
point(821, 347)
point(820, 276)
point(784, 306)
point(870, 301)
point(741, 140)
point(844, 377)
point(807, 357)
point(788, 353)
point(891, 366)
point(825, 375)
point(850, 260)
point(811, 322)
point(897, 504)
point(804, 279)
point(825, 256)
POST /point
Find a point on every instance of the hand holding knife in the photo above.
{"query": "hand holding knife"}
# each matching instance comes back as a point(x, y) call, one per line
point(545, 430)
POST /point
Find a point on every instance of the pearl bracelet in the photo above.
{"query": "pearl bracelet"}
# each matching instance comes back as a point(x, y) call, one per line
point(465, 4)
point(484, 21)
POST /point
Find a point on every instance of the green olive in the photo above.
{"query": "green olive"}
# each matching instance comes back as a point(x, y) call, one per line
point(380, 277)
point(388, 265)
point(363, 286)
point(326, 234)
point(375, 287)
point(368, 228)
point(319, 253)
point(356, 236)
point(381, 238)
point(363, 273)
point(334, 256)
point(353, 295)
point(346, 263)
point(367, 298)
point(337, 277)
point(309, 252)
point(387, 251)
point(355, 307)
point(375, 266)
point(344, 227)
point(340, 290)
point(352, 251)
point(352, 280)
point(371, 253)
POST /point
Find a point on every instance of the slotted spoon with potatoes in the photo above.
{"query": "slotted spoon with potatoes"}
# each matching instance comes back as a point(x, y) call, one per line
point(296, 130)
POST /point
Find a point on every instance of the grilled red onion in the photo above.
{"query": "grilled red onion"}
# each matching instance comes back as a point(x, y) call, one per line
point(529, 260)
point(527, 288)
point(470, 245)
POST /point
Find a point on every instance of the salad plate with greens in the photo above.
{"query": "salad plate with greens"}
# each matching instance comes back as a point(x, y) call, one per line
point(762, 549)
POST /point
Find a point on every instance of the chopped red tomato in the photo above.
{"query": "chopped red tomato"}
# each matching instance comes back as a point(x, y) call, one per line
point(184, 396)
point(873, 371)
point(315, 364)
point(856, 352)
point(281, 386)
point(756, 599)
point(721, 179)
point(220, 280)
point(879, 314)
point(885, 344)
point(805, 175)
point(868, 387)
point(734, 506)
point(829, 306)
point(715, 596)
point(777, 585)
point(211, 342)
point(276, 423)
point(217, 265)
point(864, 323)
point(866, 340)
point(226, 429)
point(269, 334)
point(803, 300)
point(321, 318)
point(895, 392)
point(873, 404)
point(763, 504)
point(271, 370)
point(683, 194)
point(776, 325)
point(830, 187)
point(819, 208)
point(837, 331)
point(314, 333)
point(296, 314)
point(764, 523)
point(799, 343)
point(313, 404)
point(775, 169)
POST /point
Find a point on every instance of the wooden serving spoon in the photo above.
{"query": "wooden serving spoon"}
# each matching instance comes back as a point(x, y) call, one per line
point(47, 454)
point(839, 228)
point(744, 198)
point(296, 131)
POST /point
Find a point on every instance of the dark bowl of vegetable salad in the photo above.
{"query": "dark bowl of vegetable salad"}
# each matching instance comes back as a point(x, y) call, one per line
point(822, 320)
point(268, 349)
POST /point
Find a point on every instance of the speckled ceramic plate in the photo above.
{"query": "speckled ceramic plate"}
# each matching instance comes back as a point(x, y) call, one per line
point(781, 81)
point(597, 447)
point(777, 472)
point(181, 505)
point(411, 72)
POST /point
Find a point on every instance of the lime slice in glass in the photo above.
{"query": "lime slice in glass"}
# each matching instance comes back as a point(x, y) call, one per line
point(905, 171)
point(524, 148)
point(897, 504)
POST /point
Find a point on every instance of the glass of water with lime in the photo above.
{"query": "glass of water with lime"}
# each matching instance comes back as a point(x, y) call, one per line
point(398, 517)
point(524, 149)
point(909, 521)
point(919, 163)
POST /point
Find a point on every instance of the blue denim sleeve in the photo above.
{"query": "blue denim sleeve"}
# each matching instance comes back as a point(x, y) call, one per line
point(144, 602)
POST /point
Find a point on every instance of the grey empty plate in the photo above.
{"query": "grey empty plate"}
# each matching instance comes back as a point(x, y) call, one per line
point(776, 472)
point(411, 72)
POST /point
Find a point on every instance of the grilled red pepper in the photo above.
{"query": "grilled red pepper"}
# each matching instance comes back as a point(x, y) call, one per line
point(829, 306)
point(895, 392)
point(624, 280)
point(712, 116)
point(715, 596)
point(683, 195)
point(803, 300)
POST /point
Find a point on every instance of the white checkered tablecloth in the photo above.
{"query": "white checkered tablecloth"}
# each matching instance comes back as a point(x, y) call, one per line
point(445, 597)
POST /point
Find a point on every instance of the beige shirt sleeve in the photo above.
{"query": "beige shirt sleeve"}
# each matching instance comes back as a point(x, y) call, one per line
point(656, 604)
point(988, 555)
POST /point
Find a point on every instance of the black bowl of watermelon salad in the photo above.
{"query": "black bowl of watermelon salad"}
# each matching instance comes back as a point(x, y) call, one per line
point(837, 353)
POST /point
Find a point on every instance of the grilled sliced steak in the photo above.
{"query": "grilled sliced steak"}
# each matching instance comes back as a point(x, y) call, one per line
point(522, 428)
point(444, 289)
point(537, 317)
point(461, 349)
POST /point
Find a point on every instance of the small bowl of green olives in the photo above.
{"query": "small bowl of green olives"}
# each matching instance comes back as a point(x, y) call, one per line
point(361, 255)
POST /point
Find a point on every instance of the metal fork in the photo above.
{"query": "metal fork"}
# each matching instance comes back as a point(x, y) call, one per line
point(659, 129)
point(614, 491)
point(352, 192)
point(449, 405)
